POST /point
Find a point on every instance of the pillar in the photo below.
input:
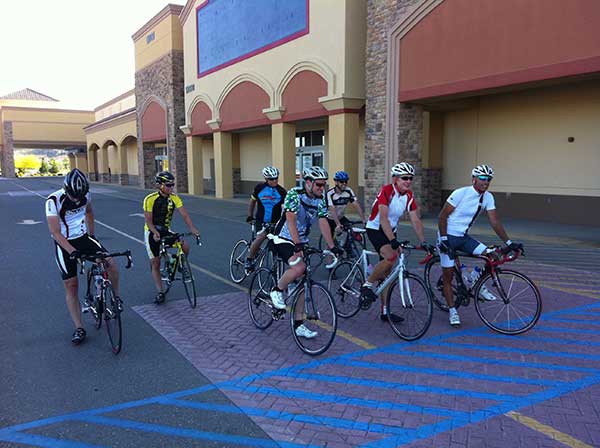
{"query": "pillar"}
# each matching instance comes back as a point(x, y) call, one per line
point(103, 164)
point(223, 147)
point(8, 158)
point(343, 146)
point(194, 165)
point(122, 168)
point(283, 152)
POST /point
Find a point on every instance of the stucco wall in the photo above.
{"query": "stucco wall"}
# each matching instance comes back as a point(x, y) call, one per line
point(167, 37)
point(255, 153)
point(115, 106)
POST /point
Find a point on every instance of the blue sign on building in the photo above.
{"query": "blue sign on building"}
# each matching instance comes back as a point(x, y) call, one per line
point(231, 30)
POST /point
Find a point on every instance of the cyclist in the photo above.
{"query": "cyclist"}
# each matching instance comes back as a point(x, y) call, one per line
point(303, 206)
point(391, 203)
point(338, 199)
point(158, 212)
point(269, 196)
point(71, 223)
point(456, 218)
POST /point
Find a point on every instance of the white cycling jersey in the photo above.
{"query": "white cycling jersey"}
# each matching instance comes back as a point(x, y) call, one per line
point(71, 214)
point(467, 203)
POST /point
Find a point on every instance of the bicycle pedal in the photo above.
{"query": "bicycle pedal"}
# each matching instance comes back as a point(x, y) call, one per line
point(365, 303)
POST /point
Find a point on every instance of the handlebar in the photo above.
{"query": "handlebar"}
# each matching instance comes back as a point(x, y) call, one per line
point(308, 251)
point(101, 256)
point(179, 237)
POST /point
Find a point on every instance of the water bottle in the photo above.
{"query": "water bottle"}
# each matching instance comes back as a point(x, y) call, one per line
point(475, 274)
point(172, 262)
point(369, 269)
point(98, 284)
point(466, 277)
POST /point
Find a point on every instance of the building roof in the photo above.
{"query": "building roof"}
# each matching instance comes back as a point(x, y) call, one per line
point(27, 94)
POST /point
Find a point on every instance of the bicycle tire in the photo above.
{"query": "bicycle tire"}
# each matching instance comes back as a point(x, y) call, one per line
point(344, 285)
point(322, 314)
point(267, 258)
point(259, 301)
point(187, 278)
point(96, 309)
point(434, 281)
point(112, 316)
point(237, 272)
point(526, 311)
point(417, 314)
point(166, 275)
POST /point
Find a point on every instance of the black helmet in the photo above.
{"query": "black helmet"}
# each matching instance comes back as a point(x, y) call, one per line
point(164, 177)
point(76, 184)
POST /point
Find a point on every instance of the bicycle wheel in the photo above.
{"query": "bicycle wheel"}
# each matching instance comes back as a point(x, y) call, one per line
point(416, 310)
point(112, 316)
point(319, 315)
point(266, 259)
point(512, 303)
point(187, 277)
point(435, 283)
point(96, 309)
point(165, 272)
point(259, 301)
point(344, 285)
point(237, 259)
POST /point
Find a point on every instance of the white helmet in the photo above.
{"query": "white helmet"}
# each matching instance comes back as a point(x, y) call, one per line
point(270, 172)
point(314, 173)
point(482, 170)
point(403, 169)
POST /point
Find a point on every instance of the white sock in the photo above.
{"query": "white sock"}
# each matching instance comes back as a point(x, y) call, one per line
point(368, 284)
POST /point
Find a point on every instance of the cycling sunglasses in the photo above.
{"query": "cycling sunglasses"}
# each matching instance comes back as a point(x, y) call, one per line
point(272, 178)
point(320, 184)
point(169, 185)
point(406, 178)
point(485, 178)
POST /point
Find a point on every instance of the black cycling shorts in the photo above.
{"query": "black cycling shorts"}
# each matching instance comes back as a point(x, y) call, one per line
point(378, 238)
point(85, 244)
point(153, 247)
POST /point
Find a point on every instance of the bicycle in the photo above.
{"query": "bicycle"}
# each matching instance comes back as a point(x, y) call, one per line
point(239, 253)
point(353, 240)
point(407, 295)
point(508, 301)
point(317, 305)
point(172, 263)
point(100, 297)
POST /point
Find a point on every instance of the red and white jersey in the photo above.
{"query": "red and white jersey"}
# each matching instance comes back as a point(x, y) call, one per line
point(397, 203)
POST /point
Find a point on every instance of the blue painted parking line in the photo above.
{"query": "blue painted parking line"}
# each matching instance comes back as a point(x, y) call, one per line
point(571, 321)
point(32, 439)
point(542, 339)
point(567, 330)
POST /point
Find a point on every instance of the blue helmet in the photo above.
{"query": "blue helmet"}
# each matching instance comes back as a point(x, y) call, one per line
point(341, 176)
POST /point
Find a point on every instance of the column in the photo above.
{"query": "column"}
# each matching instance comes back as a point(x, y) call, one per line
point(8, 159)
point(103, 164)
point(195, 166)
point(81, 162)
point(122, 169)
point(343, 146)
point(223, 147)
point(283, 152)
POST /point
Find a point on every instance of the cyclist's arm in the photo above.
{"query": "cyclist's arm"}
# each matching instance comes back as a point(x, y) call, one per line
point(186, 217)
point(334, 215)
point(417, 224)
point(497, 225)
point(54, 227)
point(148, 219)
point(290, 219)
point(326, 232)
point(251, 206)
point(384, 221)
point(89, 219)
point(443, 218)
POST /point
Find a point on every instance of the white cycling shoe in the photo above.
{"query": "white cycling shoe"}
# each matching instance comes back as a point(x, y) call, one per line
point(454, 318)
point(486, 294)
point(303, 332)
point(277, 299)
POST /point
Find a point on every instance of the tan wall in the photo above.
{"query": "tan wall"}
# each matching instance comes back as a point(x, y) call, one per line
point(50, 126)
point(523, 136)
point(116, 133)
point(132, 158)
point(113, 108)
point(167, 37)
point(207, 154)
point(330, 21)
point(113, 160)
point(255, 154)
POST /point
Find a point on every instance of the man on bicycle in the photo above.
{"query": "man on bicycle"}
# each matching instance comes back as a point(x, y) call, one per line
point(303, 207)
point(269, 196)
point(158, 213)
point(391, 203)
point(338, 199)
point(456, 218)
point(71, 223)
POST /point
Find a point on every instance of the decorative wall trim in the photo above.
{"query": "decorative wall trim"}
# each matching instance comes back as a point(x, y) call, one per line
point(254, 78)
point(314, 65)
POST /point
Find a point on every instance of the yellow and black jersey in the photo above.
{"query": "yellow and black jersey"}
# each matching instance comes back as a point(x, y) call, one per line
point(162, 208)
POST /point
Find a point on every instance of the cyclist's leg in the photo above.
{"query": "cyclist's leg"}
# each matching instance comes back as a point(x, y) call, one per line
point(260, 237)
point(93, 245)
point(387, 256)
point(286, 251)
point(152, 248)
point(68, 270)
point(475, 247)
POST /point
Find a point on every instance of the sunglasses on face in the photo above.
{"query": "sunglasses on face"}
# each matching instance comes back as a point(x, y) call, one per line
point(485, 178)
point(169, 185)
point(406, 178)
point(342, 181)
point(272, 178)
point(320, 184)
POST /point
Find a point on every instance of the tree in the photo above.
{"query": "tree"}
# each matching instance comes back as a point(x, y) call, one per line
point(53, 167)
point(26, 162)
point(44, 168)
point(66, 164)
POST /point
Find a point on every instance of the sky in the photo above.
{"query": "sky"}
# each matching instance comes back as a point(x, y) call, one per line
point(77, 51)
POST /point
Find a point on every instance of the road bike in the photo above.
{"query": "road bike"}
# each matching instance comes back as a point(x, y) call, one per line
point(240, 251)
point(407, 295)
point(352, 239)
point(100, 300)
point(508, 301)
point(176, 266)
point(306, 299)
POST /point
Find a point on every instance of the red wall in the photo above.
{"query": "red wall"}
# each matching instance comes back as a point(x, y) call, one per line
point(154, 124)
point(301, 96)
point(469, 45)
point(242, 108)
point(200, 115)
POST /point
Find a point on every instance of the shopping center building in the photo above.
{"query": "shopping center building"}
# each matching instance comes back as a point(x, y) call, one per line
point(225, 87)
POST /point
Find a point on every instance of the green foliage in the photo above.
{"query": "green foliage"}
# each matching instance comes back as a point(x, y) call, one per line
point(54, 169)
point(26, 162)
point(44, 168)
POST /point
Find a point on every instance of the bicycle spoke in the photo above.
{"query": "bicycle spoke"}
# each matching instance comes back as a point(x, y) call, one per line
point(415, 312)
point(237, 258)
point(344, 284)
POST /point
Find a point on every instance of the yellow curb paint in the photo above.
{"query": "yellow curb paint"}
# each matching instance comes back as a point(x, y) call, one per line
point(548, 430)
point(569, 290)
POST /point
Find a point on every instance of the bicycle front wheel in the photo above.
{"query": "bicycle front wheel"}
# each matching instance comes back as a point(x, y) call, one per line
point(435, 283)
point(187, 277)
point(165, 272)
point(259, 300)
point(112, 318)
point(317, 310)
point(508, 302)
point(412, 304)
point(344, 285)
point(237, 259)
